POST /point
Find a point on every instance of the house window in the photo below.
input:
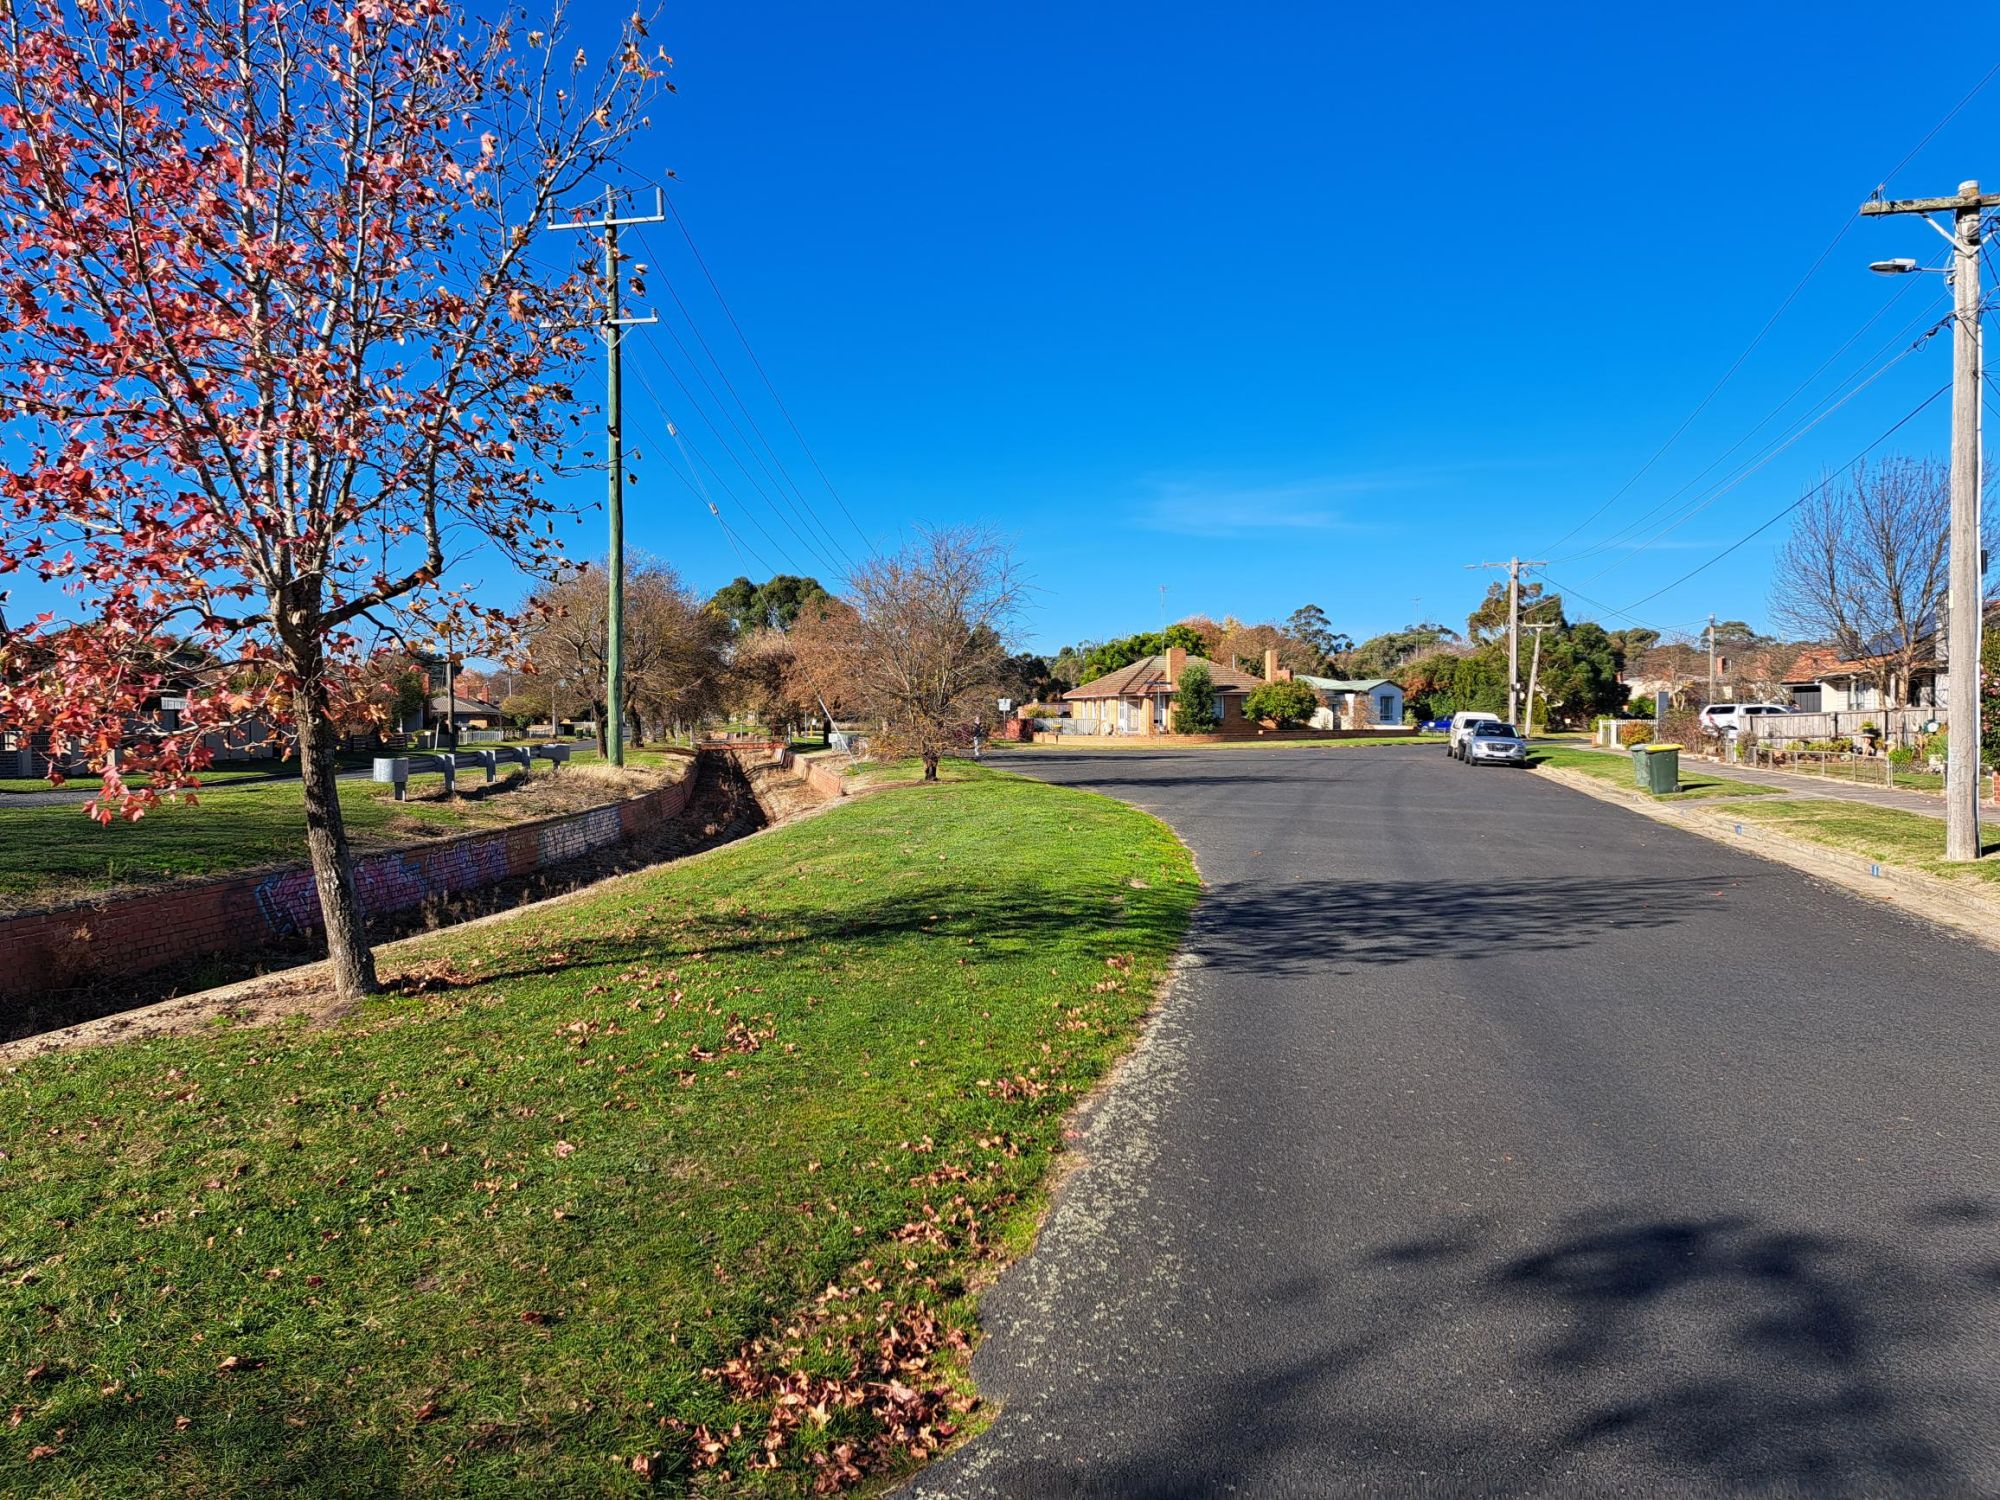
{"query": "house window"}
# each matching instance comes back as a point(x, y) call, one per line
point(1388, 714)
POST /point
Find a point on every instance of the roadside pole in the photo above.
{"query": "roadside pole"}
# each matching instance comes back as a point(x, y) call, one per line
point(1967, 612)
point(1513, 565)
point(1711, 658)
point(614, 327)
point(1534, 670)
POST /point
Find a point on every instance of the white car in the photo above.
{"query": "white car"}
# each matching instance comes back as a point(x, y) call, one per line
point(1729, 718)
point(1461, 726)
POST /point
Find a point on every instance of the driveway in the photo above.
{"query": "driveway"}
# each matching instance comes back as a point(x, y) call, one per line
point(1499, 1142)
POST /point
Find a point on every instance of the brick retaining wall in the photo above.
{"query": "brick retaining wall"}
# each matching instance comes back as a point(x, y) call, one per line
point(281, 907)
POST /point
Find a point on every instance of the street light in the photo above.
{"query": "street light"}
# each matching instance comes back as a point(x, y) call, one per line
point(1893, 267)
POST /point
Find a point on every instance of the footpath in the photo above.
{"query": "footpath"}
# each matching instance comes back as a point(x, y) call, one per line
point(1880, 842)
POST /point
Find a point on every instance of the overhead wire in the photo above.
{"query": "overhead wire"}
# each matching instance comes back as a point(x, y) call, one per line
point(1751, 535)
point(1633, 525)
point(1770, 453)
point(1790, 297)
point(723, 302)
point(767, 454)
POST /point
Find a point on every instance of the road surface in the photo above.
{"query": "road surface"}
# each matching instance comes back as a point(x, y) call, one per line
point(1500, 1142)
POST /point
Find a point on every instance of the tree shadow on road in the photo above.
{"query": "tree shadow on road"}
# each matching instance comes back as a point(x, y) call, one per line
point(1628, 1351)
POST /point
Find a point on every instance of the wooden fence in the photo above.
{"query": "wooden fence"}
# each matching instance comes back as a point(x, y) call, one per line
point(1897, 726)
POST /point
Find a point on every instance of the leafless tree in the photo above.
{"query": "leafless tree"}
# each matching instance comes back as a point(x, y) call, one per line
point(925, 643)
point(1864, 569)
point(676, 648)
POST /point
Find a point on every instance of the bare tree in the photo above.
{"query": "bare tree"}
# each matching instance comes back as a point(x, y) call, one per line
point(676, 647)
point(1864, 568)
point(926, 642)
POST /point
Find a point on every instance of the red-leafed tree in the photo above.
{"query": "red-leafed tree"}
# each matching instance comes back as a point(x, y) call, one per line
point(276, 354)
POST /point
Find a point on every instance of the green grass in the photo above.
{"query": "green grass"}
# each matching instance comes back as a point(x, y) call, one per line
point(53, 852)
point(488, 1238)
point(1616, 770)
point(1886, 835)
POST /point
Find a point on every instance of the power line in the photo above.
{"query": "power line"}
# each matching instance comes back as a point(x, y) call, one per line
point(763, 375)
point(1774, 520)
point(834, 569)
point(1908, 328)
point(1770, 453)
point(767, 448)
point(1846, 224)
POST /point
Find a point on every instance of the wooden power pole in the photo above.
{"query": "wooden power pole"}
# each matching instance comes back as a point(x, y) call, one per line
point(614, 328)
point(1961, 776)
point(1513, 565)
point(1711, 658)
point(1534, 670)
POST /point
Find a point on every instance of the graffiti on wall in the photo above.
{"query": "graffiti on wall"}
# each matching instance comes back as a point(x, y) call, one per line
point(289, 900)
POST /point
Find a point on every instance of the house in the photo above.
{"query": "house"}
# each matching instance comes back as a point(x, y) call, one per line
point(1138, 699)
point(466, 713)
point(1337, 697)
point(1743, 674)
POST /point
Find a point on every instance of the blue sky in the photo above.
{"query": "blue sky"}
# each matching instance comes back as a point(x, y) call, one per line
point(1279, 303)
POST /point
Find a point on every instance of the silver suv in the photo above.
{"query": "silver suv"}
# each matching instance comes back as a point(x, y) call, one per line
point(1492, 743)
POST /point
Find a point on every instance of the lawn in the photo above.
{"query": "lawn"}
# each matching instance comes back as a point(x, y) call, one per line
point(617, 1192)
point(1697, 782)
point(1886, 835)
point(53, 852)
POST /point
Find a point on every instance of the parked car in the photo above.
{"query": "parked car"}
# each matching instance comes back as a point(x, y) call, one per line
point(1494, 743)
point(1461, 726)
point(1435, 726)
point(1729, 718)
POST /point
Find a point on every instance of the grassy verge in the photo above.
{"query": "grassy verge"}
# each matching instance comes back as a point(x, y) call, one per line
point(52, 852)
point(695, 1173)
point(1616, 770)
point(1886, 835)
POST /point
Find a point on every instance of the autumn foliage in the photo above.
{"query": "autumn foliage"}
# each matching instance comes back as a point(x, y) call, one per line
point(276, 353)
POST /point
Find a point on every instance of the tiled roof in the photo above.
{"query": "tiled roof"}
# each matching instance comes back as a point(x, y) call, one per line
point(1149, 675)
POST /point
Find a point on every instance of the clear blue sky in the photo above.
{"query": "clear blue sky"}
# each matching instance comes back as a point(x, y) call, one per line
point(1277, 303)
point(1290, 302)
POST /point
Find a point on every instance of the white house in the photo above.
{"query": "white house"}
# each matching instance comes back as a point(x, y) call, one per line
point(1337, 695)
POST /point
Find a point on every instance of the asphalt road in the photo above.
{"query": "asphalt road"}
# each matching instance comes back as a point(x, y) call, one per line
point(1500, 1142)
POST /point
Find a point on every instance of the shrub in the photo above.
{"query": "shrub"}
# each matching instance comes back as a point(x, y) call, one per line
point(1194, 703)
point(1903, 757)
point(1286, 704)
point(1633, 732)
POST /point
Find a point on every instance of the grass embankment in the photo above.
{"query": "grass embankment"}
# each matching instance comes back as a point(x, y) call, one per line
point(1616, 770)
point(492, 1238)
point(52, 852)
point(1886, 835)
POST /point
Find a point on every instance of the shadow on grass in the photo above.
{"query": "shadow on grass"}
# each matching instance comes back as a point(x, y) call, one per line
point(1626, 1351)
point(1306, 927)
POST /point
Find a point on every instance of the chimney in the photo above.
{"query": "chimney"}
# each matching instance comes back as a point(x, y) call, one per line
point(1271, 666)
point(1176, 659)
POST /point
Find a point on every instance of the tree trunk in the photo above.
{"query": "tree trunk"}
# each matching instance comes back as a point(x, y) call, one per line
point(347, 948)
point(603, 728)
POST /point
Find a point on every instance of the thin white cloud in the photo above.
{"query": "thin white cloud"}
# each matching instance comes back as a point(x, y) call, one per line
point(1223, 509)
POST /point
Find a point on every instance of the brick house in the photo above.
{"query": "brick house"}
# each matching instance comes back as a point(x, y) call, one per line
point(1138, 700)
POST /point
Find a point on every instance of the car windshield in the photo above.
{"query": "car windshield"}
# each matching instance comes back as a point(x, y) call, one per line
point(1492, 728)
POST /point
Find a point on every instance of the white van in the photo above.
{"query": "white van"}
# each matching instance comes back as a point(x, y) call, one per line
point(1461, 726)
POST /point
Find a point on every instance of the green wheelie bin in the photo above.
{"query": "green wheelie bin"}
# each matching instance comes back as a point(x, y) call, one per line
point(1663, 769)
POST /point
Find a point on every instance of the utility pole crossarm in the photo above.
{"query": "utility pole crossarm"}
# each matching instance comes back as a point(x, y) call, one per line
point(1877, 207)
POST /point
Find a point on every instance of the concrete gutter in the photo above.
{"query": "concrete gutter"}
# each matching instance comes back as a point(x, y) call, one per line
point(1931, 898)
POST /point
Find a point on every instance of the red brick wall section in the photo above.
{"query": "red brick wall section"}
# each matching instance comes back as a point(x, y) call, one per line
point(130, 936)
